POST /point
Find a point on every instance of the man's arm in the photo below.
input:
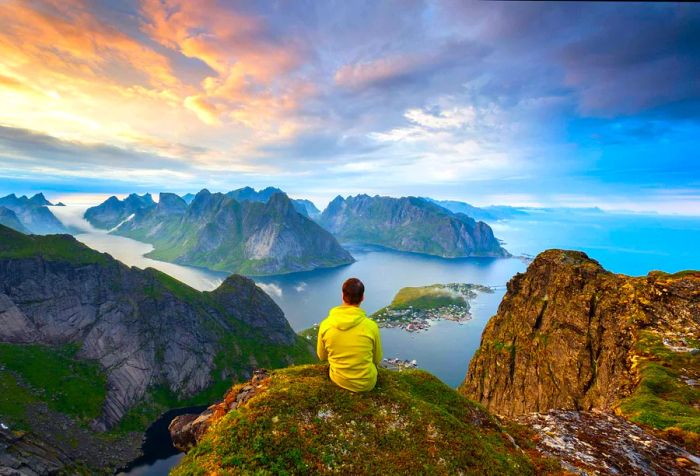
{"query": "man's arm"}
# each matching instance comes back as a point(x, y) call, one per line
point(377, 346)
point(321, 347)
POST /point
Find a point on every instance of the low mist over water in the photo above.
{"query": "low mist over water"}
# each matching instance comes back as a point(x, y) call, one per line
point(131, 252)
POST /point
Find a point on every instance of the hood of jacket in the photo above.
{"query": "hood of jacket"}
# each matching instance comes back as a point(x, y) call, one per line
point(345, 317)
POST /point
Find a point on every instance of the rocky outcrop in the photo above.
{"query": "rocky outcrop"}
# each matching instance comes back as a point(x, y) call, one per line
point(409, 224)
point(143, 327)
point(565, 333)
point(238, 292)
point(43, 450)
point(187, 430)
point(573, 345)
point(32, 213)
point(250, 237)
point(113, 211)
point(297, 421)
point(599, 443)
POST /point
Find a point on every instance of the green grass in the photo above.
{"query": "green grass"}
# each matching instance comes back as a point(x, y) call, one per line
point(14, 399)
point(16, 245)
point(53, 375)
point(310, 334)
point(426, 297)
point(662, 400)
point(302, 423)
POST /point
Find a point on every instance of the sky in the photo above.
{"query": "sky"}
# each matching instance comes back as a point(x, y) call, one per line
point(521, 103)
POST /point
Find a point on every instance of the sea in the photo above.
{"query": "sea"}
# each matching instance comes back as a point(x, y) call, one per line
point(627, 243)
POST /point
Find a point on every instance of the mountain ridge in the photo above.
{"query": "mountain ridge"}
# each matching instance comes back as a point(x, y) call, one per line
point(218, 232)
point(32, 214)
point(409, 224)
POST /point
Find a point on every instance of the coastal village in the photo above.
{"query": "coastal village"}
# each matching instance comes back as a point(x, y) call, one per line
point(413, 309)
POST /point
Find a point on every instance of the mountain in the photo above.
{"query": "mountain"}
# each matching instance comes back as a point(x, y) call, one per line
point(296, 421)
point(9, 219)
point(409, 224)
point(307, 208)
point(219, 232)
point(248, 194)
point(188, 197)
point(490, 213)
point(113, 211)
point(32, 213)
point(571, 336)
point(88, 344)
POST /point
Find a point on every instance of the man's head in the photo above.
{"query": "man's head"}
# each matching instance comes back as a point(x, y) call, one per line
point(353, 292)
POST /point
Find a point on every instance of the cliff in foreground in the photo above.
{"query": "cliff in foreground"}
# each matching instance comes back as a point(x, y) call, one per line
point(297, 421)
point(571, 336)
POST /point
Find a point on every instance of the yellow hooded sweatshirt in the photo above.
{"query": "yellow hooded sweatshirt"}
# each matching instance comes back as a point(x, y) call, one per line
point(350, 341)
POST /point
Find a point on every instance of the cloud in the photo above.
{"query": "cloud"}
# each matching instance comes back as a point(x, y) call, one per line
point(388, 97)
point(271, 289)
point(205, 111)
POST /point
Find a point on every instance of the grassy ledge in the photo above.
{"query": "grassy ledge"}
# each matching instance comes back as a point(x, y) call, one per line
point(664, 400)
point(302, 423)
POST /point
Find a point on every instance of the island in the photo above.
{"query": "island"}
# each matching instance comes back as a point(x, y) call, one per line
point(413, 308)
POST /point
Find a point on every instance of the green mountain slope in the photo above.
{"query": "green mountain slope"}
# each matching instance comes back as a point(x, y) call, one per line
point(249, 237)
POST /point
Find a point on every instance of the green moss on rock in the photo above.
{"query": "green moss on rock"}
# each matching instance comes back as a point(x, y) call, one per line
point(303, 423)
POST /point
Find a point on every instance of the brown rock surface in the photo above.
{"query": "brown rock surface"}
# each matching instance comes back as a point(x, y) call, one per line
point(565, 333)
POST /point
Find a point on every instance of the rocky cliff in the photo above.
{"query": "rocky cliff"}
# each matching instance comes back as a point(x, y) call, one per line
point(113, 211)
point(143, 327)
point(296, 421)
point(409, 224)
point(571, 335)
point(32, 213)
point(221, 233)
point(248, 194)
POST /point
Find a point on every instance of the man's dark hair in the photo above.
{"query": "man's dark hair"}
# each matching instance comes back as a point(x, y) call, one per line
point(353, 291)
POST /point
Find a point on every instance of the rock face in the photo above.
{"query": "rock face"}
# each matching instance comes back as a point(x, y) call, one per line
point(248, 194)
point(409, 224)
point(32, 214)
point(143, 327)
point(296, 421)
point(569, 338)
point(599, 443)
point(45, 452)
point(249, 237)
point(113, 211)
point(565, 333)
point(187, 430)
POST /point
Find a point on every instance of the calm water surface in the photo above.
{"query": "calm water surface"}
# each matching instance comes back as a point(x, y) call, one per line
point(630, 244)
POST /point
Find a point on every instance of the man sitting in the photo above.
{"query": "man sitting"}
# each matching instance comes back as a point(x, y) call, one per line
point(350, 341)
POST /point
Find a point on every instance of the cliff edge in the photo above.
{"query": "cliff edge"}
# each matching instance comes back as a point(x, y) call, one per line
point(570, 335)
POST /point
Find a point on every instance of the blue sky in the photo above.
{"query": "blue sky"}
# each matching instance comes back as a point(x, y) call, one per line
point(572, 104)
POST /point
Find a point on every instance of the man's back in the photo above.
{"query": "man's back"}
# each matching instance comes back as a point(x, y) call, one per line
point(350, 341)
